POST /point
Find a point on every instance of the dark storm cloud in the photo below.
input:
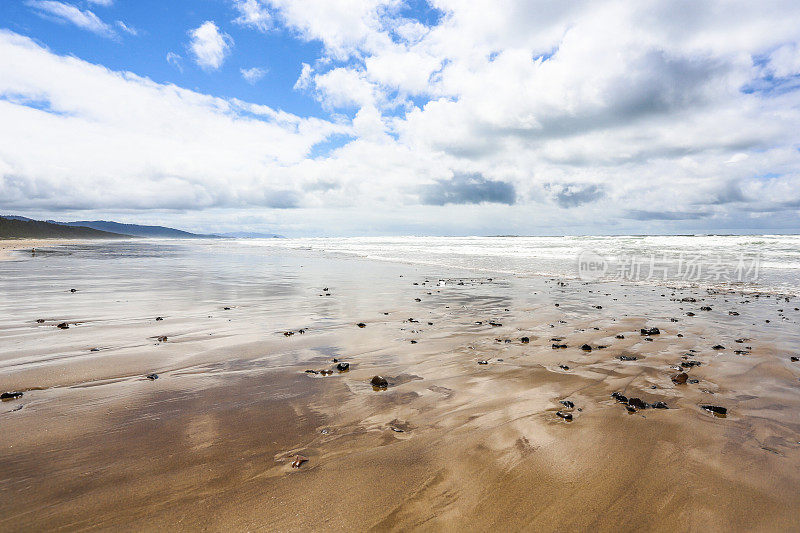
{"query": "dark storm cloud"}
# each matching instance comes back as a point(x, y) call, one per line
point(575, 194)
point(468, 189)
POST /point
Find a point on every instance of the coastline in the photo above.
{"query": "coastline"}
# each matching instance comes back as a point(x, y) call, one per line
point(451, 443)
point(9, 246)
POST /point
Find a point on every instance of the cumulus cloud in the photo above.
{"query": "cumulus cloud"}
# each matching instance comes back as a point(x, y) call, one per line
point(634, 111)
point(64, 12)
point(104, 139)
point(209, 45)
point(253, 75)
point(252, 13)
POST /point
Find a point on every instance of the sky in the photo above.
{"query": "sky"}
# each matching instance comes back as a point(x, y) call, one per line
point(404, 117)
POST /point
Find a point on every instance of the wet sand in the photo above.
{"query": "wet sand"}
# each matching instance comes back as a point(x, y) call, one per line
point(451, 444)
point(9, 246)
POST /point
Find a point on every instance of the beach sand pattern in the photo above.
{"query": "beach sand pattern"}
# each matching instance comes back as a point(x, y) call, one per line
point(200, 385)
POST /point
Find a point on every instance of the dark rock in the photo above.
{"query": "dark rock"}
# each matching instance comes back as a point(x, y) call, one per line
point(718, 347)
point(40, 320)
point(161, 338)
point(6, 396)
point(152, 377)
point(680, 378)
point(568, 404)
point(309, 371)
point(565, 416)
point(343, 367)
point(63, 325)
point(689, 364)
point(226, 308)
point(659, 405)
point(586, 348)
point(524, 340)
point(630, 408)
point(794, 359)
point(563, 367)
point(361, 325)
point(379, 382)
point(620, 336)
point(288, 333)
point(326, 372)
point(705, 308)
point(73, 290)
point(648, 339)
point(619, 397)
point(628, 358)
point(733, 313)
point(94, 350)
point(483, 362)
point(601, 347)
point(694, 381)
point(638, 403)
point(495, 324)
point(721, 411)
point(650, 331)
point(413, 342)
point(691, 300)
point(159, 318)
point(417, 300)
point(557, 346)
point(689, 314)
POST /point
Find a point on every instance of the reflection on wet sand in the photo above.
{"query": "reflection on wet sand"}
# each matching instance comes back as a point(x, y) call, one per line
point(235, 433)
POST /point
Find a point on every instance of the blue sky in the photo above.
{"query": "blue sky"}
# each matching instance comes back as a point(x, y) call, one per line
point(350, 117)
point(162, 28)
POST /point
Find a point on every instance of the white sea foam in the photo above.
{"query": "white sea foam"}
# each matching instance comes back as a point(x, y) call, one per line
point(779, 255)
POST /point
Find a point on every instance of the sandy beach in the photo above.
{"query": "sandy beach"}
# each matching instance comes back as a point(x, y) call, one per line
point(8, 246)
point(498, 414)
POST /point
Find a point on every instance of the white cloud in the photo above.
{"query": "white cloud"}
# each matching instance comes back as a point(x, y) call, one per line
point(598, 107)
point(253, 75)
point(209, 45)
point(175, 60)
point(253, 14)
point(304, 80)
point(104, 139)
point(104, 3)
point(69, 13)
point(343, 87)
point(127, 29)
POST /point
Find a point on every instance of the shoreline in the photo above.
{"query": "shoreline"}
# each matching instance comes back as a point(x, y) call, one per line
point(450, 443)
point(9, 246)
